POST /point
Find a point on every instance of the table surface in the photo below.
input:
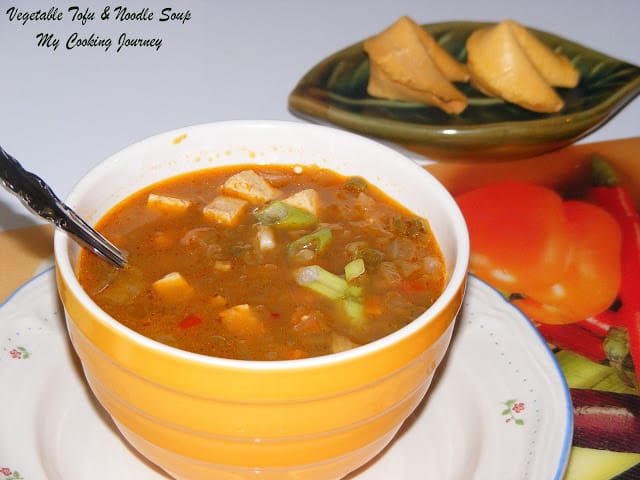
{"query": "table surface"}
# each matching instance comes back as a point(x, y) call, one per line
point(66, 109)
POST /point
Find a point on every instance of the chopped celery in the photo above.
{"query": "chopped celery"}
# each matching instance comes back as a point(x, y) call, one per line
point(316, 241)
point(281, 214)
point(332, 287)
point(315, 277)
point(354, 291)
point(354, 269)
point(324, 290)
point(354, 309)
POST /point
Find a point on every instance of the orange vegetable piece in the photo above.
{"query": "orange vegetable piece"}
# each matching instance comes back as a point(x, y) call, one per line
point(562, 256)
point(590, 282)
point(242, 320)
point(415, 285)
point(372, 306)
point(307, 321)
point(518, 234)
point(173, 287)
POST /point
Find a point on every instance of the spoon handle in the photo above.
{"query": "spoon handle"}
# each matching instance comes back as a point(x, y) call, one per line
point(39, 198)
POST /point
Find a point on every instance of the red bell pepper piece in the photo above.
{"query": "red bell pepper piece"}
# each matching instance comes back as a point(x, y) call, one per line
point(611, 195)
point(189, 321)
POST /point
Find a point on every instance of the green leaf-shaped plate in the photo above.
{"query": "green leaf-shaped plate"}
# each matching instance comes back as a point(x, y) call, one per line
point(335, 92)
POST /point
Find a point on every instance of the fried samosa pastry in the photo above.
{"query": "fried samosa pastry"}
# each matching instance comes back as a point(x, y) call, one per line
point(508, 61)
point(406, 63)
point(452, 69)
point(554, 67)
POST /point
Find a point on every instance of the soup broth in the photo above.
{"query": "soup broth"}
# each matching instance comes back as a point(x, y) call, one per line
point(265, 263)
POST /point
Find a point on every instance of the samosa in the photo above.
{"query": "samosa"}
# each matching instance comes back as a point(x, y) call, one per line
point(510, 62)
point(406, 63)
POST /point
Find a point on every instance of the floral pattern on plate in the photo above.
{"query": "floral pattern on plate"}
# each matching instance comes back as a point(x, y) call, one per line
point(9, 474)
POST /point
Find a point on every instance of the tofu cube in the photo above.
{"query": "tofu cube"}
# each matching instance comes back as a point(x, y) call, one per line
point(305, 200)
point(226, 210)
point(250, 186)
point(241, 320)
point(222, 265)
point(340, 343)
point(218, 301)
point(173, 287)
point(168, 204)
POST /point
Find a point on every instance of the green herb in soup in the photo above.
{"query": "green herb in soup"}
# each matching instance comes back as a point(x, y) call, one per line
point(265, 263)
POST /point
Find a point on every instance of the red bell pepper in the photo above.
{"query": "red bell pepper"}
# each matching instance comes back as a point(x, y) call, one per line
point(610, 194)
point(561, 257)
point(189, 321)
point(590, 281)
point(518, 234)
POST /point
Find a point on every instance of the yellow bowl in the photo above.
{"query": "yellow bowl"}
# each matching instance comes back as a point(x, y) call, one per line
point(200, 417)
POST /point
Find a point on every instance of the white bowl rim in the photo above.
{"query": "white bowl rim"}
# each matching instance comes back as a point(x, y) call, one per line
point(456, 281)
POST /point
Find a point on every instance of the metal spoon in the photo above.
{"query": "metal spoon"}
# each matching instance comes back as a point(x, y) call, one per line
point(39, 198)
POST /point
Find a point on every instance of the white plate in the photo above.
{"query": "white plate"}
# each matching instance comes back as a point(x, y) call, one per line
point(498, 409)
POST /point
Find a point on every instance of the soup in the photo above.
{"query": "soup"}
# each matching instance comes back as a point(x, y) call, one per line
point(265, 263)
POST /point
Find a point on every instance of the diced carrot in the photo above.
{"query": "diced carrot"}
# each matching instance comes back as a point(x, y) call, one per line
point(189, 321)
point(413, 286)
point(372, 306)
point(242, 320)
point(306, 321)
